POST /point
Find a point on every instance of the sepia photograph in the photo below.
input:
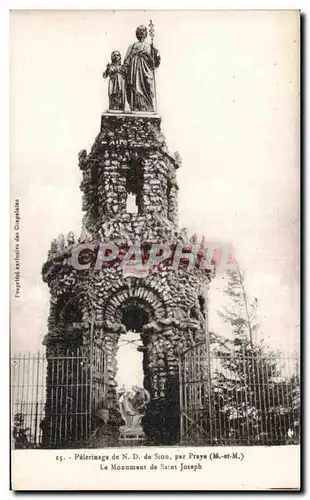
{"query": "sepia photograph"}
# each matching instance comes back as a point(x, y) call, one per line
point(155, 169)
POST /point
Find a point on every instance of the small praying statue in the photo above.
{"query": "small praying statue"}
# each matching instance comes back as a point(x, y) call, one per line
point(115, 72)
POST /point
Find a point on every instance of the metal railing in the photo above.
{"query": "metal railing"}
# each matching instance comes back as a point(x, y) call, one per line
point(246, 398)
point(53, 397)
point(28, 398)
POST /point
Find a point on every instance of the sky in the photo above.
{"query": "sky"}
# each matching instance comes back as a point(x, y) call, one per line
point(228, 95)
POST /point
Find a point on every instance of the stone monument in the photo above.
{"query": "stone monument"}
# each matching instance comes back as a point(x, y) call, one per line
point(92, 306)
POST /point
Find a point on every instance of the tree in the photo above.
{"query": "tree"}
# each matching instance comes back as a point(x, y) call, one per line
point(20, 431)
point(252, 403)
point(241, 313)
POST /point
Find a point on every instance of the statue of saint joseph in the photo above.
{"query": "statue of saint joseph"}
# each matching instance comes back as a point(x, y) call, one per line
point(139, 66)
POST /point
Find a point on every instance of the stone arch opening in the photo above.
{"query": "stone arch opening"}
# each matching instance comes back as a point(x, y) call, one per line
point(131, 204)
point(132, 294)
point(132, 375)
point(134, 306)
point(134, 317)
point(134, 185)
point(134, 314)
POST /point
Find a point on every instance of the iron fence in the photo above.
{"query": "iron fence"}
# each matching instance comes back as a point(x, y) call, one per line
point(232, 399)
point(245, 398)
point(27, 399)
point(53, 397)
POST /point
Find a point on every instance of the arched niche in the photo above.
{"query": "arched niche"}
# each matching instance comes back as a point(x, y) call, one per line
point(134, 308)
point(137, 298)
point(134, 186)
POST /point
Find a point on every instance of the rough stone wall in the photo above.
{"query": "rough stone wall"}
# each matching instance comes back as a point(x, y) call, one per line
point(126, 143)
point(170, 299)
point(129, 154)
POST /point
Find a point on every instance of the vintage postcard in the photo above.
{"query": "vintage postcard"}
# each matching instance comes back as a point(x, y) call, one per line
point(155, 250)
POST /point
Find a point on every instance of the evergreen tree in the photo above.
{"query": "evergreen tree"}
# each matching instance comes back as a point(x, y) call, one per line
point(251, 402)
point(20, 431)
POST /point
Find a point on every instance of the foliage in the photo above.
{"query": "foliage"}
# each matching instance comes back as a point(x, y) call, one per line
point(20, 431)
point(254, 398)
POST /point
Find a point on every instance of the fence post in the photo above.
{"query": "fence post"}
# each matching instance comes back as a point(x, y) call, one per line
point(209, 389)
point(91, 376)
point(37, 399)
point(246, 397)
point(181, 396)
point(206, 314)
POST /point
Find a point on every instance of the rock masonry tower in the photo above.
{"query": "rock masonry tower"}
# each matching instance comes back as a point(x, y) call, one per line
point(96, 299)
